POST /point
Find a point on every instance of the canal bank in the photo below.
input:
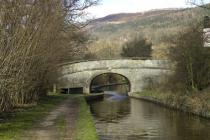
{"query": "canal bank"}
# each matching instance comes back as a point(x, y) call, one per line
point(14, 124)
point(85, 126)
point(193, 104)
point(55, 117)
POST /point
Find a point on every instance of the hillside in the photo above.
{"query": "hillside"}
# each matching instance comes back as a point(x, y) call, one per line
point(128, 17)
point(111, 32)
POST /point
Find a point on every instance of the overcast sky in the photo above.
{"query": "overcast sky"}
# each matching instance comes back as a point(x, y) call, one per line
point(107, 7)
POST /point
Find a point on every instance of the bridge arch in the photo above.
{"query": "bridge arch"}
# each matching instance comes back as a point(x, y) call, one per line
point(93, 78)
point(139, 72)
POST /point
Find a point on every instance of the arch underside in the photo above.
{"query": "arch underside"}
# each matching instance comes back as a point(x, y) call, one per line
point(112, 74)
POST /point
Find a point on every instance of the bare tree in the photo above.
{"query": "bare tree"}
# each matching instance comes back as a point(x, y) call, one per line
point(192, 60)
point(35, 36)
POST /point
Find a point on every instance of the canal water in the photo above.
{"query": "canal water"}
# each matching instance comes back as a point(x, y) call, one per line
point(119, 117)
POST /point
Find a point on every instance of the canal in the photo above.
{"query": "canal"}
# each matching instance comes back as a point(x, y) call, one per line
point(119, 117)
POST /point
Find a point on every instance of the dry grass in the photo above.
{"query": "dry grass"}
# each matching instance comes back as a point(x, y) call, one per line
point(197, 103)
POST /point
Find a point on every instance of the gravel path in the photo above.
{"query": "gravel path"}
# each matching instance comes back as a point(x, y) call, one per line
point(48, 129)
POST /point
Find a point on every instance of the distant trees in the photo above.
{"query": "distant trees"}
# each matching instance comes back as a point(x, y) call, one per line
point(89, 55)
point(105, 49)
point(35, 36)
point(137, 47)
point(192, 60)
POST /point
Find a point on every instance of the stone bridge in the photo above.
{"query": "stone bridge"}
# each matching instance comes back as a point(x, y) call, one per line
point(139, 73)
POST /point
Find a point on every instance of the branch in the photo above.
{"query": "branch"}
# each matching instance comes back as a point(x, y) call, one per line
point(199, 5)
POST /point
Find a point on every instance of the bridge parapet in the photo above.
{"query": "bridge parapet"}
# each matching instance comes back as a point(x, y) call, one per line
point(70, 68)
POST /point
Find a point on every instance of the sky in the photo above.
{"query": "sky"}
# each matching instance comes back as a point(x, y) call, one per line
point(107, 7)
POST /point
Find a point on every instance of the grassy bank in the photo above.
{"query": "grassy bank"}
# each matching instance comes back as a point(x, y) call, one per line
point(85, 125)
point(61, 125)
point(198, 104)
point(13, 124)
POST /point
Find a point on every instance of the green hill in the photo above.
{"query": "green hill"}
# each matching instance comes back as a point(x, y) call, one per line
point(111, 32)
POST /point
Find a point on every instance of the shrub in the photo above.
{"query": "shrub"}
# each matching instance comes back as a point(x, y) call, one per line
point(137, 47)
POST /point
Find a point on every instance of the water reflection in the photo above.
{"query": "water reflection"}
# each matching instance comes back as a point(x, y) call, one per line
point(132, 119)
point(120, 89)
point(111, 110)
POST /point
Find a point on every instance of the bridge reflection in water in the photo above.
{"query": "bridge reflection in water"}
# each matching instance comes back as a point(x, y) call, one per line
point(118, 117)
